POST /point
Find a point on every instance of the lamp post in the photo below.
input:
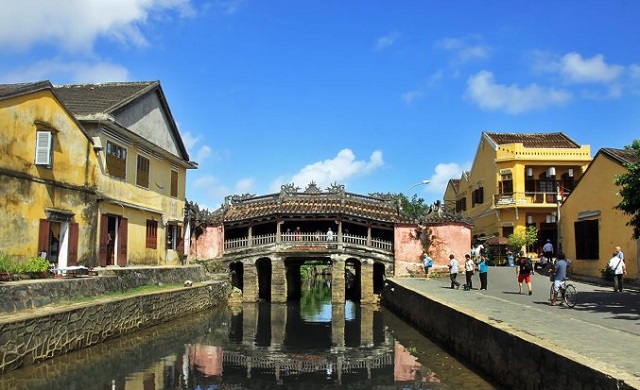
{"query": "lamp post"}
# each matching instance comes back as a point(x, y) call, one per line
point(423, 182)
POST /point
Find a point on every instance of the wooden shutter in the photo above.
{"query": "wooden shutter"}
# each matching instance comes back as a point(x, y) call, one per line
point(72, 258)
point(43, 237)
point(102, 256)
point(122, 242)
point(44, 140)
point(180, 246)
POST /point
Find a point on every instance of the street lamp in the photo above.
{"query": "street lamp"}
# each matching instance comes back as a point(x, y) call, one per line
point(424, 182)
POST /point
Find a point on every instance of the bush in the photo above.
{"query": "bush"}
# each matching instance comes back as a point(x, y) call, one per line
point(7, 264)
point(35, 265)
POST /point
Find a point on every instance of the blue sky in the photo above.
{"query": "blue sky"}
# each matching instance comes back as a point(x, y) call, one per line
point(377, 95)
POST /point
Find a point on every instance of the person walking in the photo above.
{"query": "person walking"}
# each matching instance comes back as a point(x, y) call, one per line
point(619, 269)
point(427, 261)
point(547, 251)
point(524, 271)
point(469, 267)
point(483, 270)
point(453, 271)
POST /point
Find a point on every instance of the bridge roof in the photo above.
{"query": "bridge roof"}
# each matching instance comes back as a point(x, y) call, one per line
point(311, 203)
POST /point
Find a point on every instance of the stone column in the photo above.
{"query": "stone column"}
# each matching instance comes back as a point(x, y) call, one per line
point(337, 325)
point(337, 280)
point(369, 236)
point(249, 281)
point(249, 324)
point(366, 282)
point(366, 325)
point(278, 280)
point(278, 325)
point(250, 236)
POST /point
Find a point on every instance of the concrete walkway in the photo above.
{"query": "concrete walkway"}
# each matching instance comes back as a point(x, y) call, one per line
point(602, 330)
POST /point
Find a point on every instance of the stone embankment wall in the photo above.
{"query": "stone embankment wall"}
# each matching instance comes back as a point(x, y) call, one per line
point(31, 294)
point(32, 336)
point(512, 359)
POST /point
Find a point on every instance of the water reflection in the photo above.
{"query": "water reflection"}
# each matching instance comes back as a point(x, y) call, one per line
point(305, 345)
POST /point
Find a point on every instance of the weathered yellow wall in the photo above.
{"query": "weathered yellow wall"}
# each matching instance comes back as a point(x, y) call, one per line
point(596, 192)
point(26, 189)
point(154, 202)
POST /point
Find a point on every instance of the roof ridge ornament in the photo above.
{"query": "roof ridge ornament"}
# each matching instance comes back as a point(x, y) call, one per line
point(312, 188)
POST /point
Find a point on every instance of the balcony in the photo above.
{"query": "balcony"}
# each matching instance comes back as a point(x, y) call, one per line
point(306, 240)
point(525, 199)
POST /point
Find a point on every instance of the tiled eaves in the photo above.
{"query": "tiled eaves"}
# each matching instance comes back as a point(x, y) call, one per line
point(83, 99)
point(556, 140)
point(622, 156)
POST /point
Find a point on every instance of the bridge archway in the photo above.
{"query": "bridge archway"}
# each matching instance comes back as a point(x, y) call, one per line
point(264, 271)
point(379, 276)
point(300, 268)
point(236, 270)
point(353, 280)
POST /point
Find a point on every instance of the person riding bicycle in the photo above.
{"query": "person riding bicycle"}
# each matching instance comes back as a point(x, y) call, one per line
point(560, 275)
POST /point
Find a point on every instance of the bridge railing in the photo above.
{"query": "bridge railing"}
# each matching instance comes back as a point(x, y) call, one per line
point(306, 239)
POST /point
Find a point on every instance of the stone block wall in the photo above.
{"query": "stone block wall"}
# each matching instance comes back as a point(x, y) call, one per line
point(31, 294)
point(31, 337)
point(494, 349)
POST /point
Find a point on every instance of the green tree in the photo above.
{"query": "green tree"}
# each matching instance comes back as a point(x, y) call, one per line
point(414, 207)
point(522, 237)
point(630, 190)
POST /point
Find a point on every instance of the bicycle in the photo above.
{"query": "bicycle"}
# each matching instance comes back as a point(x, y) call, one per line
point(568, 294)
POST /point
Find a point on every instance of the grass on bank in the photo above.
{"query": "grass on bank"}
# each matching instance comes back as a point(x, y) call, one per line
point(147, 288)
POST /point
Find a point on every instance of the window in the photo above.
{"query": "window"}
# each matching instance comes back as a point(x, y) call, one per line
point(116, 160)
point(507, 231)
point(142, 178)
point(173, 236)
point(152, 234)
point(44, 148)
point(174, 183)
point(461, 205)
point(505, 186)
point(477, 197)
point(587, 239)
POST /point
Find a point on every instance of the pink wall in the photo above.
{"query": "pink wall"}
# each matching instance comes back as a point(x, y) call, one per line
point(209, 245)
point(447, 239)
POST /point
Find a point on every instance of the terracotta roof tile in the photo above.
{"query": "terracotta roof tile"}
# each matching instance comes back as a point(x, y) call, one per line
point(622, 156)
point(83, 99)
point(534, 140)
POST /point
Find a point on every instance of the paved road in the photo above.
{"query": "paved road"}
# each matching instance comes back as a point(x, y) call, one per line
point(602, 330)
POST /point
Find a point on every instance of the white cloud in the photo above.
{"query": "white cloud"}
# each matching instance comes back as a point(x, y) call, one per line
point(340, 169)
point(72, 72)
point(464, 51)
point(387, 41)
point(74, 25)
point(443, 173)
point(245, 185)
point(203, 153)
point(482, 89)
point(587, 70)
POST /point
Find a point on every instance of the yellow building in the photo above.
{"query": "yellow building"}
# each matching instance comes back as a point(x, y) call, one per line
point(47, 178)
point(518, 180)
point(591, 226)
point(142, 165)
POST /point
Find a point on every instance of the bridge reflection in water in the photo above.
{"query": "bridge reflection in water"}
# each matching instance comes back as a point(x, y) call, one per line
point(310, 344)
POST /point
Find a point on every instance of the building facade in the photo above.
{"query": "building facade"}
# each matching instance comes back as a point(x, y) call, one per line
point(591, 226)
point(516, 181)
point(141, 173)
point(48, 176)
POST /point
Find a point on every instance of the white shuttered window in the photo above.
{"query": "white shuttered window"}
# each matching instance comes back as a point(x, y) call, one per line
point(44, 143)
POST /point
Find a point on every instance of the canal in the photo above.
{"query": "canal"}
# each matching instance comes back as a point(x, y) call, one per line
point(308, 344)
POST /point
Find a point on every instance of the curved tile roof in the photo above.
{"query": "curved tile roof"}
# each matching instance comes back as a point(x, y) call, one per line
point(534, 140)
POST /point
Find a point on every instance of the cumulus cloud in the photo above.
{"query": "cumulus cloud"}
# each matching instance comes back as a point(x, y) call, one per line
point(387, 41)
point(341, 168)
point(513, 99)
point(464, 50)
point(443, 173)
point(74, 72)
point(245, 185)
point(576, 69)
point(73, 25)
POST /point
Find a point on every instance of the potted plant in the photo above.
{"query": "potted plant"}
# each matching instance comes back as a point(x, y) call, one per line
point(7, 266)
point(36, 267)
